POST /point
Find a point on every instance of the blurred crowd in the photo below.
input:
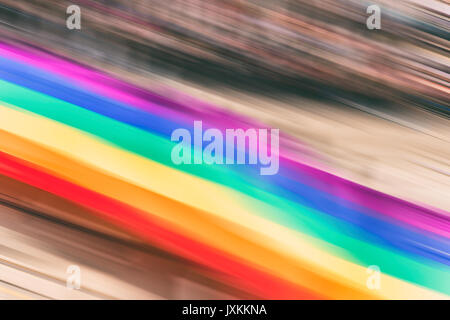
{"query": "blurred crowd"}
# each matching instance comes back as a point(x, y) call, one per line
point(294, 45)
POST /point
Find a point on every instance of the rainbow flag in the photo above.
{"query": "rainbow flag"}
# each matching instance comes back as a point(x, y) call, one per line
point(303, 233)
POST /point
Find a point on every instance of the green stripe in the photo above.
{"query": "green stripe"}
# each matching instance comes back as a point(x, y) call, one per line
point(285, 212)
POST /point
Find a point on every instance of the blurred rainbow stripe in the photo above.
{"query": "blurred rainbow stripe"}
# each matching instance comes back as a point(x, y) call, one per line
point(302, 234)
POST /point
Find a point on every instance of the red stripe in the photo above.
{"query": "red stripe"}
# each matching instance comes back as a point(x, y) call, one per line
point(155, 231)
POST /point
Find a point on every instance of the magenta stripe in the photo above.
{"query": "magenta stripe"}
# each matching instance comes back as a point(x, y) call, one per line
point(187, 109)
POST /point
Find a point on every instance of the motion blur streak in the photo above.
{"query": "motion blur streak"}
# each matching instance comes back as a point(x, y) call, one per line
point(86, 176)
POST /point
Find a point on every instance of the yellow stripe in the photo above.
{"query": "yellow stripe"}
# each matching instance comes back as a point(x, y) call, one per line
point(279, 250)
